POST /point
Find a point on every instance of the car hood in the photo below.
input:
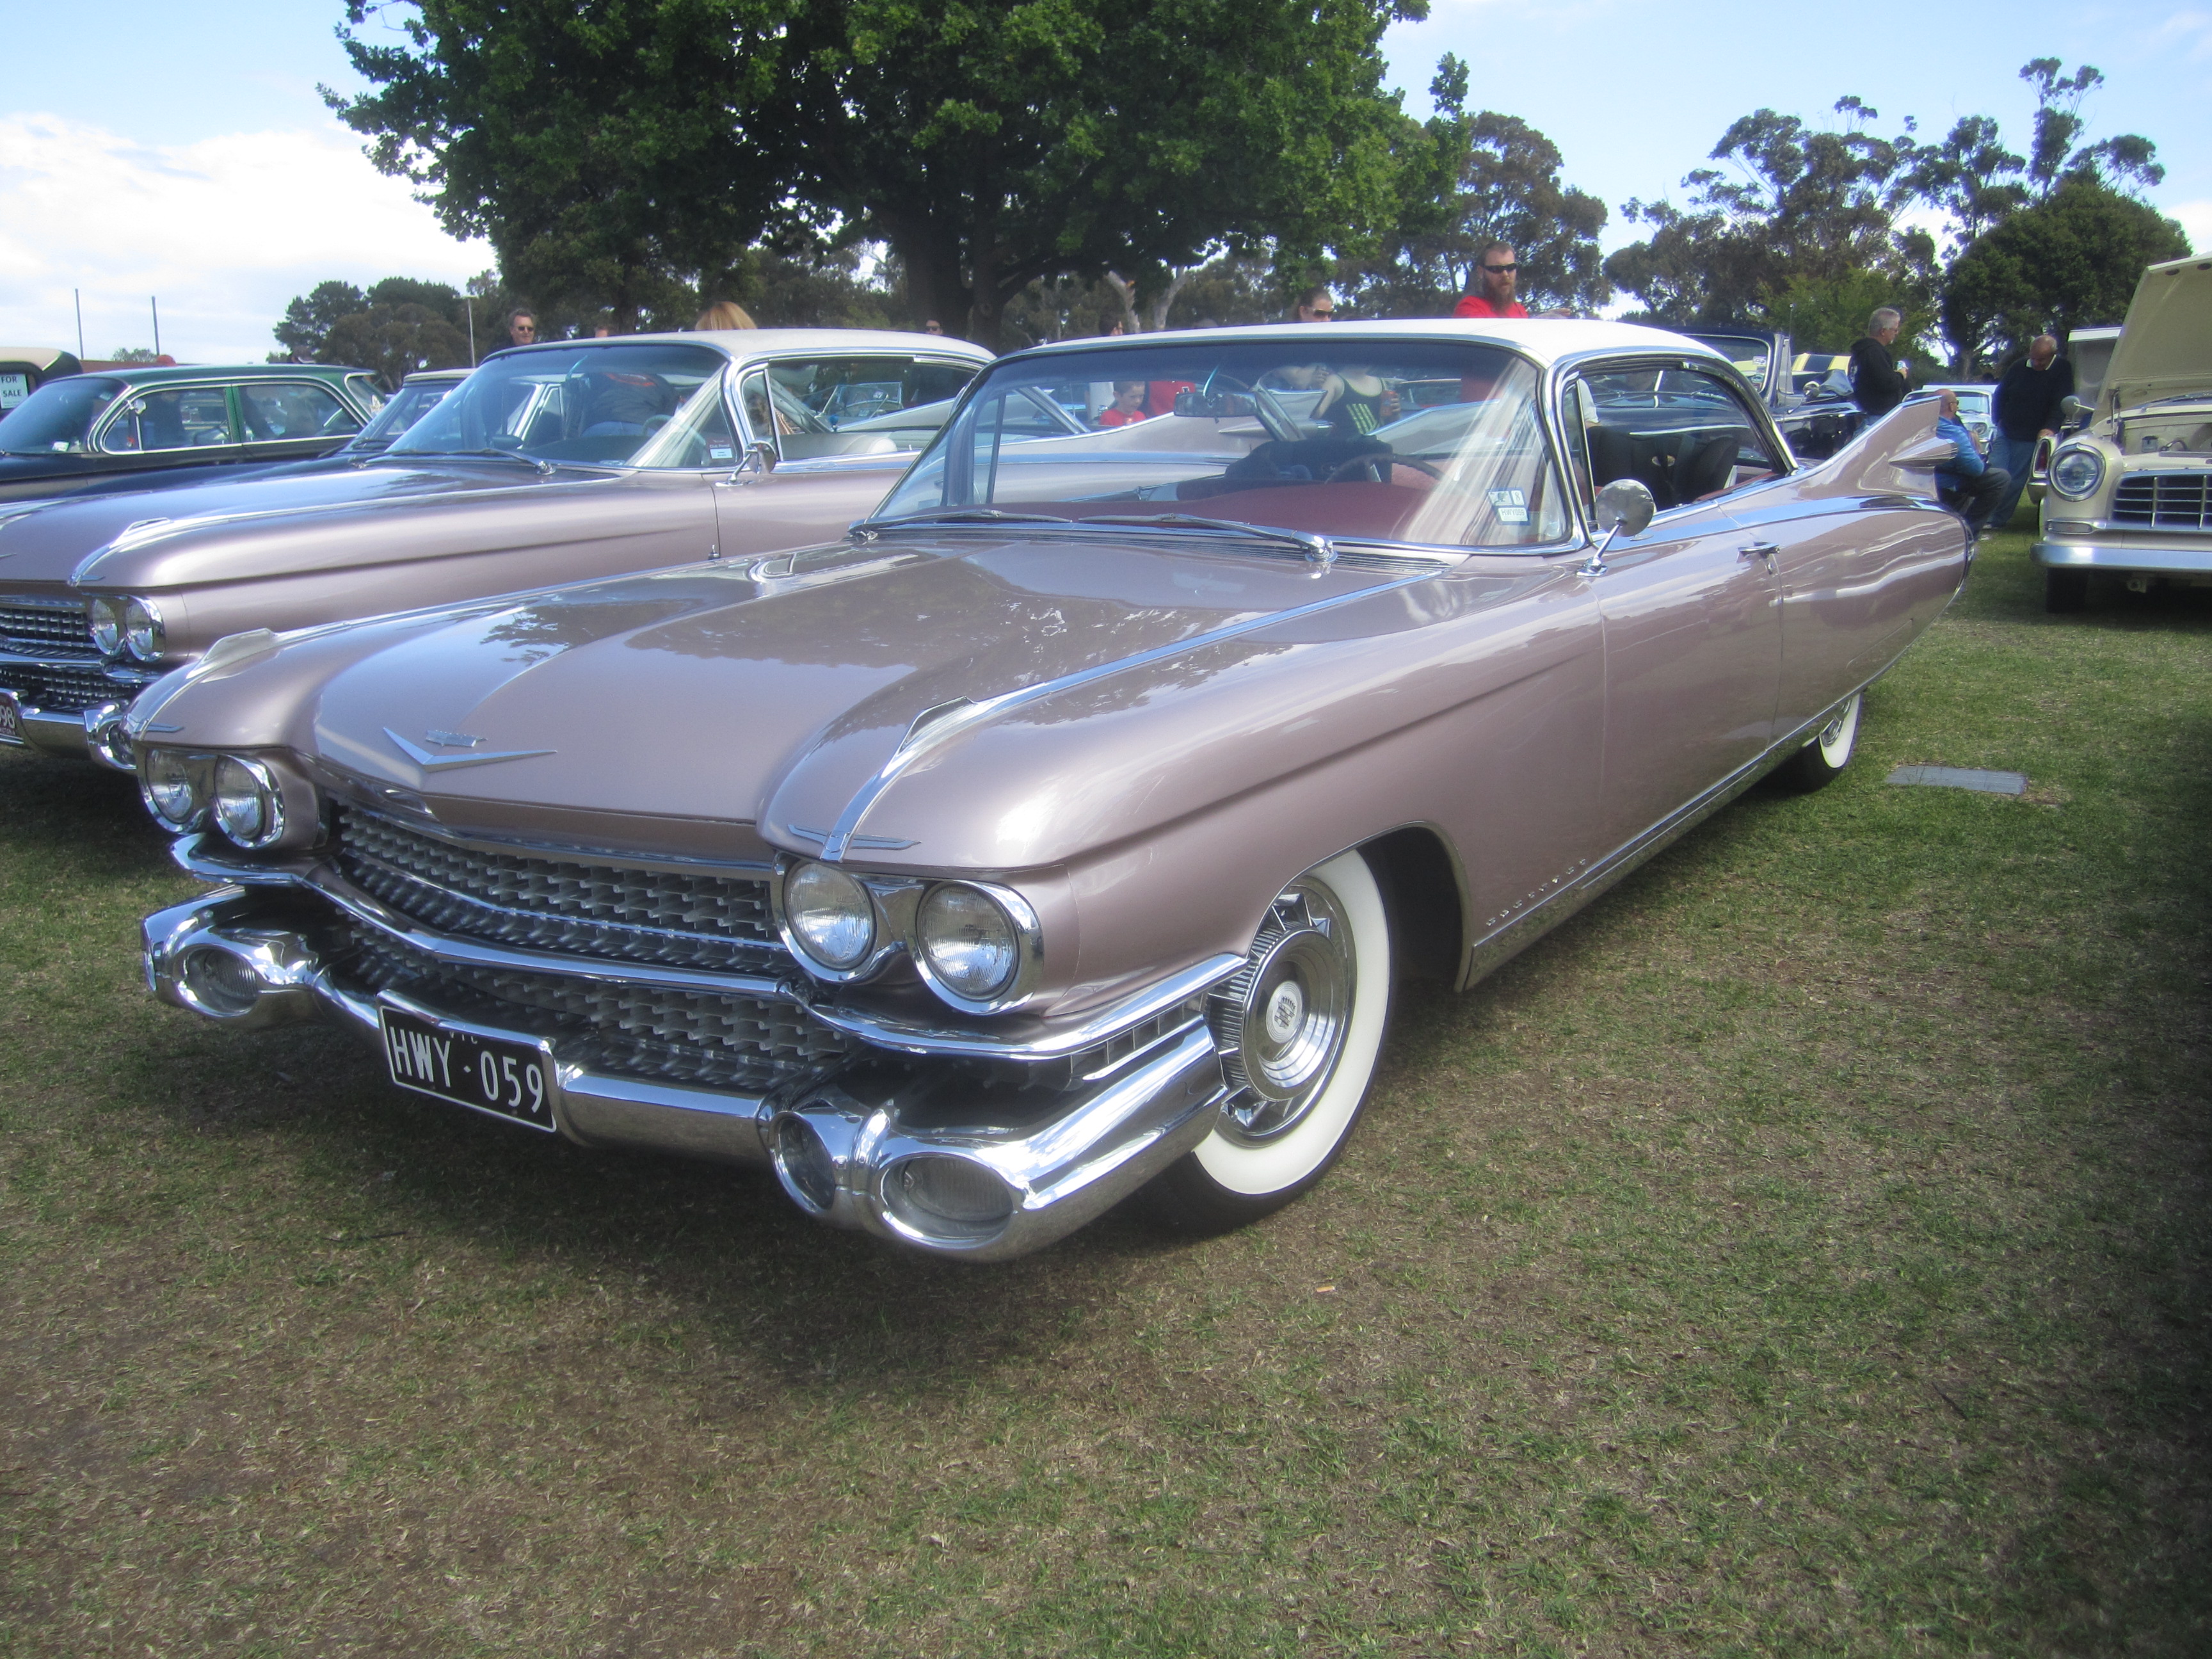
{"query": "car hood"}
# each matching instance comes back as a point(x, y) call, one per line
point(2166, 348)
point(743, 697)
point(178, 535)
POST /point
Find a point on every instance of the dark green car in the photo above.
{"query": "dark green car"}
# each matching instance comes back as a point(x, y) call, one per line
point(134, 428)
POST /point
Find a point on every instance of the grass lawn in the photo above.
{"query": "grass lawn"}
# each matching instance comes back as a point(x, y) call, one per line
point(1802, 1252)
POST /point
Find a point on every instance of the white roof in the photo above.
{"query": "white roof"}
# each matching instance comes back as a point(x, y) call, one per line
point(1547, 339)
point(774, 342)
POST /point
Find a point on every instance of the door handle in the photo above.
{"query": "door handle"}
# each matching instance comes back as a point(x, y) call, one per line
point(1765, 550)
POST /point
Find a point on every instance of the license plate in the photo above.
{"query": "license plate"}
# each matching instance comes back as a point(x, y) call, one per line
point(508, 1079)
point(11, 720)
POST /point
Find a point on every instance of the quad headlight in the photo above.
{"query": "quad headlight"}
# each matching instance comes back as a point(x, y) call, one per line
point(967, 943)
point(978, 945)
point(248, 803)
point(143, 639)
point(828, 917)
point(253, 804)
point(105, 617)
point(175, 787)
point(2076, 472)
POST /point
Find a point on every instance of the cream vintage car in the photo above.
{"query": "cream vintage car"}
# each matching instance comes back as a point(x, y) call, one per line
point(1063, 830)
point(2129, 495)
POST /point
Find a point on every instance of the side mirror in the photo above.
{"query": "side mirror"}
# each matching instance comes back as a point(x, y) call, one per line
point(1625, 507)
point(760, 454)
point(2073, 409)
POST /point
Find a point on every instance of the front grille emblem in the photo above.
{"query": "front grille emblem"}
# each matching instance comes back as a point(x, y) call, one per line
point(430, 763)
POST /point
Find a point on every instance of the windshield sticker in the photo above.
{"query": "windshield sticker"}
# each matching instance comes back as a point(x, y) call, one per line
point(1511, 506)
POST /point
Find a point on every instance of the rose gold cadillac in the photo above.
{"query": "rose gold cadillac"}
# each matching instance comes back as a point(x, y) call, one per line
point(551, 464)
point(1063, 830)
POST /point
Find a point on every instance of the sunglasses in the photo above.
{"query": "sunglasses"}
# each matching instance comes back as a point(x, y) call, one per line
point(1320, 310)
point(1503, 270)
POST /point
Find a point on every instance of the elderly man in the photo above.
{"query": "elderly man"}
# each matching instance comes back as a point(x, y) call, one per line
point(522, 326)
point(1497, 269)
point(1879, 382)
point(2027, 412)
point(1976, 486)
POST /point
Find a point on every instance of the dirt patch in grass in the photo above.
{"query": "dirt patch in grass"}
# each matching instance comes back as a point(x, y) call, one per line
point(1803, 1250)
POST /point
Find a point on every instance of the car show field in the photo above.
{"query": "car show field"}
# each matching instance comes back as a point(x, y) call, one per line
point(1801, 1250)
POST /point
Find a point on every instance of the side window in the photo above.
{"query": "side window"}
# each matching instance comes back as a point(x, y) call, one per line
point(277, 410)
point(190, 417)
point(1683, 433)
point(818, 408)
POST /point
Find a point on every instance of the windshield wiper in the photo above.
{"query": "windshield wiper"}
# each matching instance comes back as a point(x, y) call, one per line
point(1318, 548)
point(950, 515)
point(546, 469)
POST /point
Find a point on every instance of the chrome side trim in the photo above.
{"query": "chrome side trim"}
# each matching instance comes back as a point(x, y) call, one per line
point(916, 1037)
point(1495, 949)
point(947, 727)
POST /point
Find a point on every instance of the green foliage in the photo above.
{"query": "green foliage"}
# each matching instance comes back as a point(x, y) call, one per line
point(631, 148)
point(1500, 183)
point(400, 325)
point(2069, 262)
point(1800, 202)
point(1826, 313)
point(134, 355)
point(309, 318)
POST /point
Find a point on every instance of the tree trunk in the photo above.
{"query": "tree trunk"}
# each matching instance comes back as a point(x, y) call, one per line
point(1130, 323)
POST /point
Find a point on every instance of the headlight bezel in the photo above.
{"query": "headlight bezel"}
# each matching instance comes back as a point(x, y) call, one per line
point(268, 796)
point(2088, 454)
point(194, 773)
point(857, 965)
point(294, 817)
point(1026, 939)
point(103, 620)
point(896, 901)
point(145, 637)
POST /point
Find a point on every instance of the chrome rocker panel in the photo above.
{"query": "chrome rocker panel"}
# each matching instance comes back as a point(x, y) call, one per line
point(1096, 1146)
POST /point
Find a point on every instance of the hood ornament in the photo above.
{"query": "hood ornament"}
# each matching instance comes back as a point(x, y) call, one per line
point(430, 763)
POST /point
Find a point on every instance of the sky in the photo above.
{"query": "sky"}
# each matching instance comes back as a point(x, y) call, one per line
point(183, 153)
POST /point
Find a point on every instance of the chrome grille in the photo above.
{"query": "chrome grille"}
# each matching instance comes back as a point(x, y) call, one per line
point(749, 1043)
point(2164, 500)
point(61, 690)
point(677, 920)
point(39, 627)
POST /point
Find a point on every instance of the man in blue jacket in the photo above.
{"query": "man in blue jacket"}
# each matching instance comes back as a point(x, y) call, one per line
point(1967, 482)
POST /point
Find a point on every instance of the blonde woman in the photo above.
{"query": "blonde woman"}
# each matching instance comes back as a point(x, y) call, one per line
point(724, 314)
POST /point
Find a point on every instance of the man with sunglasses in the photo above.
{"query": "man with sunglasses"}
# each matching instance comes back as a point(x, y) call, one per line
point(1497, 269)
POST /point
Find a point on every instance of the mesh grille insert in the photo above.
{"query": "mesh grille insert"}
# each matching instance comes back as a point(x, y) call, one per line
point(676, 918)
point(748, 1043)
point(36, 626)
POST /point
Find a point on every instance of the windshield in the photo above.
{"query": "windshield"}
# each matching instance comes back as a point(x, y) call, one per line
point(57, 416)
point(1324, 434)
point(644, 404)
point(401, 410)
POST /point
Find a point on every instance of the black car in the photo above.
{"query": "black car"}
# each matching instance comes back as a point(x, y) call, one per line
point(1817, 420)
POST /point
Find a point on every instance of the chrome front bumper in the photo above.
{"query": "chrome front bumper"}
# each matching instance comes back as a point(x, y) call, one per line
point(71, 734)
point(895, 1146)
point(2158, 560)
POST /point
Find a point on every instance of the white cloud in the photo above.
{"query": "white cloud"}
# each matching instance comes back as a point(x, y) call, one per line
point(2196, 219)
point(224, 230)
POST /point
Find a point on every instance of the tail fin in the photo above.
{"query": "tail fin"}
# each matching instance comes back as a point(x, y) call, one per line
point(1896, 455)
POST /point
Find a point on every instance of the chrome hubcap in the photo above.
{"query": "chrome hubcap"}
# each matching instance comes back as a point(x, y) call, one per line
point(1281, 1022)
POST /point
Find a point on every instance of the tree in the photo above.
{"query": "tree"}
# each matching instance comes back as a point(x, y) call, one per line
point(2055, 158)
point(309, 318)
point(395, 340)
point(2070, 261)
point(623, 144)
point(1500, 184)
point(592, 144)
point(1795, 204)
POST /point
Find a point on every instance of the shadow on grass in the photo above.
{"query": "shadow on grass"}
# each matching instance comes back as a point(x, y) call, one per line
point(85, 814)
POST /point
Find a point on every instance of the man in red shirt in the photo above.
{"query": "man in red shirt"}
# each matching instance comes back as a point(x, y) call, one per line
point(1497, 269)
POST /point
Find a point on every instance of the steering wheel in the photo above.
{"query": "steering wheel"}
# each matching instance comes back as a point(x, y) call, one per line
point(654, 423)
point(1374, 462)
